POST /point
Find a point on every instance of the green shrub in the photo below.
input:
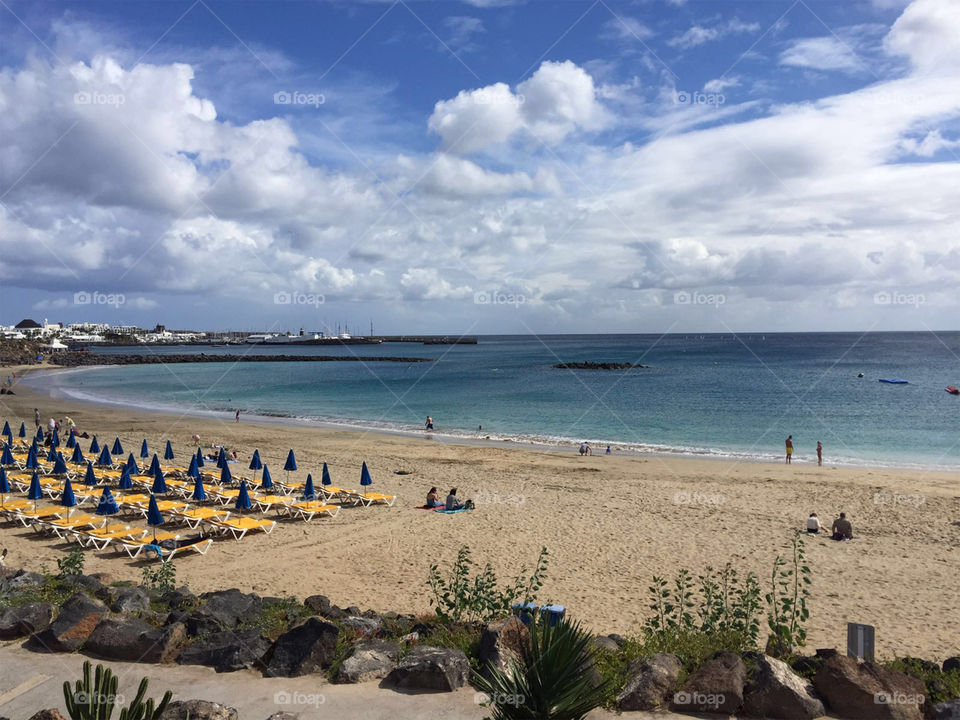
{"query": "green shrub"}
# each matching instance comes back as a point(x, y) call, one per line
point(787, 601)
point(940, 686)
point(72, 564)
point(465, 596)
point(276, 617)
point(163, 579)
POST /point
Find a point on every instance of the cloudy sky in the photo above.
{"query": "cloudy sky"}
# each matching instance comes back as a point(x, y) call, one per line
point(482, 166)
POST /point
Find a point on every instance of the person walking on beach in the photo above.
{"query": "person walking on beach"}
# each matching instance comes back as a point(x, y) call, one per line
point(789, 443)
point(237, 419)
point(36, 417)
point(819, 453)
point(429, 424)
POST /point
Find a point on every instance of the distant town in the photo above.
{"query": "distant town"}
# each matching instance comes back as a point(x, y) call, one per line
point(60, 336)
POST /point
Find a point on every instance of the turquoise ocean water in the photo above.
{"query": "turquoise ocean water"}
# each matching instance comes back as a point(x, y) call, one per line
point(708, 395)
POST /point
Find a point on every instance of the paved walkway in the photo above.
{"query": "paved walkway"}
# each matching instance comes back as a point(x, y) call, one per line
point(32, 681)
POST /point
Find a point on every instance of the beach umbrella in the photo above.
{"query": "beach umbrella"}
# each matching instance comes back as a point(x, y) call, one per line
point(131, 466)
point(39, 435)
point(325, 475)
point(55, 439)
point(4, 485)
point(199, 494)
point(105, 460)
point(89, 478)
point(154, 465)
point(77, 456)
point(7, 431)
point(71, 439)
point(35, 492)
point(255, 463)
point(308, 492)
point(243, 499)
point(59, 465)
point(94, 446)
point(365, 478)
point(23, 430)
point(67, 498)
point(144, 452)
point(117, 447)
point(222, 458)
point(126, 482)
point(193, 471)
point(52, 455)
point(32, 463)
point(168, 453)
point(225, 476)
point(199, 457)
point(291, 464)
point(107, 504)
point(266, 482)
point(154, 518)
point(159, 486)
point(6, 458)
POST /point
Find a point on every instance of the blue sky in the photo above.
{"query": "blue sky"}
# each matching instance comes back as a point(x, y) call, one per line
point(656, 165)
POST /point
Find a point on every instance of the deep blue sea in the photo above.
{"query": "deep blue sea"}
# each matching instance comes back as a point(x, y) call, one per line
point(714, 395)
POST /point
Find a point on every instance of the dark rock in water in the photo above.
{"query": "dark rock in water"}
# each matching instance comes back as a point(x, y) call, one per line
point(227, 651)
point(78, 617)
point(369, 660)
point(320, 604)
point(587, 365)
point(650, 681)
point(133, 640)
point(307, 648)
point(867, 691)
point(501, 642)
point(198, 710)
point(431, 669)
point(25, 620)
point(223, 610)
point(774, 691)
point(715, 687)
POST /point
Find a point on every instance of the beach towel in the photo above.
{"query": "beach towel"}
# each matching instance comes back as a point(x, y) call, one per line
point(429, 507)
point(451, 512)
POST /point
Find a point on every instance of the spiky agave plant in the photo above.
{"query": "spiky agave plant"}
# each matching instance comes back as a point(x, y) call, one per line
point(554, 681)
point(95, 700)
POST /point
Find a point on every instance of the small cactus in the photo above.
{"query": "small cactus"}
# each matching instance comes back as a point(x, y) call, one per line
point(95, 701)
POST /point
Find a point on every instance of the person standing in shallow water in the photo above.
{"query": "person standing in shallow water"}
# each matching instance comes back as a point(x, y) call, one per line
point(429, 424)
point(789, 444)
point(819, 453)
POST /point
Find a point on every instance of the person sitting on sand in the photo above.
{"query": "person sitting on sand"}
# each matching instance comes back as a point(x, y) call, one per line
point(813, 524)
point(583, 448)
point(842, 528)
point(433, 498)
point(453, 502)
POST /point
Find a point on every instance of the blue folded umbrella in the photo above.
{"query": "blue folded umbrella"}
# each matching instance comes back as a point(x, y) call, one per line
point(159, 486)
point(199, 457)
point(107, 504)
point(154, 518)
point(32, 463)
point(255, 463)
point(6, 458)
point(193, 471)
point(89, 478)
point(23, 430)
point(77, 456)
point(325, 475)
point(308, 491)
point(199, 494)
point(131, 465)
point(59, 465)
point(243, 498)
point(52, 454)
point(365, 478)
point(67, 498)
point(221, 458)
point(291, 463)
point(266, 482)
point(105, 460)
point(225, 476)
point(94, 446)
point(6, 430)
point(126, 482)
point(4, 482)
point(71, 439)
point(55, 439)
point(154, 465)
point(144, 452)
point(168, 453)
point(39, 435)
point(117, 447)
point(35, 492)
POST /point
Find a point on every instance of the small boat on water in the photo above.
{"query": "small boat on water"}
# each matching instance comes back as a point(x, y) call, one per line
point(952, 389)
point(894, 381)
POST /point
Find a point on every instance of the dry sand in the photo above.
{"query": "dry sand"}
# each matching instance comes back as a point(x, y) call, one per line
point(610, 524)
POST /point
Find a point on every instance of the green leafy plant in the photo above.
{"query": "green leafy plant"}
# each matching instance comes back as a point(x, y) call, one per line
point(95, 700)
point(72, 564)
point(939, 686)
point(554, 680)
point(163, 579)
point(464, 596)
point(787, 601)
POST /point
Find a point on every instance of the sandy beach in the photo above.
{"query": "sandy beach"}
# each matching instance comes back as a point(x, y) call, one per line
point(610, 524)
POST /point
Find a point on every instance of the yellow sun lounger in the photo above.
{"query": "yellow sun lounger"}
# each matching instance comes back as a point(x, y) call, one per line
point(238, 527)
point(14, 505)
point(28, 517)
point(266, 503)
point(133, 548)
point(165, 554)
point(100, 538)
point(366, 499)
point(193, 518)
point(61, 526)
point(306, 510)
